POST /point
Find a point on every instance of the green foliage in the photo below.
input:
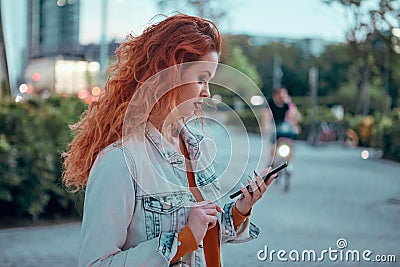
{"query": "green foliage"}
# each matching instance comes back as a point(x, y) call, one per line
point(238, 60)
point(384, 127)
point(390, 130)
point(333, 66)
point(385, 131)
point(251, 119)
point(295, 67)
point(32, 136)
point(324, 114)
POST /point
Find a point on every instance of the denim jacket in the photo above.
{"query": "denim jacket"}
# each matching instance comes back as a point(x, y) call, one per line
point(137, 200)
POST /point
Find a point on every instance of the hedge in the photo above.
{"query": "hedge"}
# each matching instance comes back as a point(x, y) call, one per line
point(32, 136)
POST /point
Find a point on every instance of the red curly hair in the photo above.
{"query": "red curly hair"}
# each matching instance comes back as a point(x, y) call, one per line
point(175, 40)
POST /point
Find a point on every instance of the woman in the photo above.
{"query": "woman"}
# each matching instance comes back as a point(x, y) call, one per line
point(147, 202)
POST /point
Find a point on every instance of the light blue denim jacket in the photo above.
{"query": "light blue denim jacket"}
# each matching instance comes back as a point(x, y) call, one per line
point(137, 200)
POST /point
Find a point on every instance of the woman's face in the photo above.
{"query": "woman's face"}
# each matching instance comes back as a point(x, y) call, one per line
point(191, 95)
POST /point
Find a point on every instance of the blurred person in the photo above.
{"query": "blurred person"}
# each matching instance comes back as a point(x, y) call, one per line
point(293, 116)
point(284, 118)
point(282, 112)
point(134, 214)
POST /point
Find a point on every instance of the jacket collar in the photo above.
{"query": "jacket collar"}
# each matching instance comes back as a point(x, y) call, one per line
point(167, 151)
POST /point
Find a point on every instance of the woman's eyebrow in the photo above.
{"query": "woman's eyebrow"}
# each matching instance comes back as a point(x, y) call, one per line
point(206, 72)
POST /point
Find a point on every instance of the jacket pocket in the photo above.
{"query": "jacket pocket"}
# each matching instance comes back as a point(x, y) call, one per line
point(206, 176)
point(164, 213)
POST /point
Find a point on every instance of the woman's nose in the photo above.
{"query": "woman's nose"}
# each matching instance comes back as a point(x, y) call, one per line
point(205, 92)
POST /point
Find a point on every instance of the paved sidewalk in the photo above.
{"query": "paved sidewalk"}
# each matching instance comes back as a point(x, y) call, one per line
point(40, 246)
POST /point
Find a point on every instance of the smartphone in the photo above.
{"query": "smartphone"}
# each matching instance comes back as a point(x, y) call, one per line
point(265, 178)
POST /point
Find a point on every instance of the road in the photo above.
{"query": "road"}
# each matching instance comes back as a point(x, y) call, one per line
point(335, 194)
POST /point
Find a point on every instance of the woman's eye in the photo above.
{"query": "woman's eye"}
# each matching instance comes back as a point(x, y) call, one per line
point(202, 80)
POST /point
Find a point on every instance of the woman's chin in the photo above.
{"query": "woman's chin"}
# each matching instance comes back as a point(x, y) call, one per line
point(187, 114)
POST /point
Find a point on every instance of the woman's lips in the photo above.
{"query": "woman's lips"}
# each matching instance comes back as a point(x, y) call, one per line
point(198, 104)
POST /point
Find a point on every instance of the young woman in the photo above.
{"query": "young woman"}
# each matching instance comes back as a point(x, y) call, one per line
point(152, 198)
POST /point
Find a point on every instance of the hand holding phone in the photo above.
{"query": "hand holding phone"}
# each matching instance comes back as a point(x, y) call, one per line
point(265, 178)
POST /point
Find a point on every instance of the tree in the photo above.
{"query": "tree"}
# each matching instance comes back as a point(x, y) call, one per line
point(209, 9)
point(367, 24)
point(294, 67)
point(333, 66)
point(233, 55)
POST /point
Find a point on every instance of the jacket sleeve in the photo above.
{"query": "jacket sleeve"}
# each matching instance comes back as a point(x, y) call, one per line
point(108, 211)
point(246, 231)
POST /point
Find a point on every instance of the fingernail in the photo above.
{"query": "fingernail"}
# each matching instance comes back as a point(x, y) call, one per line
point(242, 185)
point(256, 173)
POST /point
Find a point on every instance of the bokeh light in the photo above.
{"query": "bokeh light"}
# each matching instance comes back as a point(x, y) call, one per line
point(96, 91)
point(23, 88)
point(83, 94)
point(364, 154)
point(36, 76)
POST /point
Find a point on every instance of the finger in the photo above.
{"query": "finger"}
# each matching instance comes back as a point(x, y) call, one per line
point(262, 186)
point(206, 218)
point(219, 209)
point(212, 212)
point(202, 203)
point(256, 194)
point(246, 193)
point(211, 220)
point(270, 180)
point(213, 206)
point(211, 225)
point(205, 204)
point(253, 186)
point(265, 172)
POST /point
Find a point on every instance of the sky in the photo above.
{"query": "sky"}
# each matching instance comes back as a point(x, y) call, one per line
point(283, 18)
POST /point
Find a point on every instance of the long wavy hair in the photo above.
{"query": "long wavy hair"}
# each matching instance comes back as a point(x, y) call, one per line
point(175, 40)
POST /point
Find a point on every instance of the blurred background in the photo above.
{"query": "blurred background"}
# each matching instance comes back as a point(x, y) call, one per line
point(338, 59)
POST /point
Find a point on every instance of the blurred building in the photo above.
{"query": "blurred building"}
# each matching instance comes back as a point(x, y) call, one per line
point(57, 62)
point(92, 51)
point(53, 28)
point(14, 26)
point(4, 78)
